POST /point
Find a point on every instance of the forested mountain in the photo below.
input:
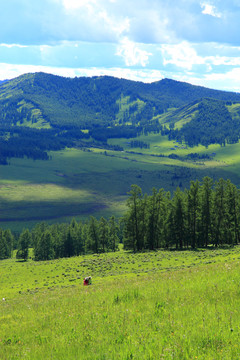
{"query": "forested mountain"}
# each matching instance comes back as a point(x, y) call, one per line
point(41, 106)
point(66, 102)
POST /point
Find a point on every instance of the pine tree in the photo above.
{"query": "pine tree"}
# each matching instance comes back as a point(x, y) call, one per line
point(93, 243)
point(113, 234)
point(179, 216)
point(154, 223)
point(134, 230)
point(219, 204)
point(4, 251)
point(23, 245)
point(9, 238)
point(44, 249)
point(206, 209)
point(193, 212)
point(103, 231)
point(232, 211)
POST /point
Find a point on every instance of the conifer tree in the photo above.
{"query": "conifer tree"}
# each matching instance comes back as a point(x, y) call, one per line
point(113, 234)
point(154, 214)
point(93, 236)
point(179, 216)
point(206, 208)
point(193, 212)
point(219, 202)
point(23, 245)
point(4, 251)
point(134, 231)
point(103, 231)
point(44, 249)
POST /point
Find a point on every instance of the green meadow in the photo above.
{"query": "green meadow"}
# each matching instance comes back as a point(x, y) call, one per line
point(77, 183)
point(152, 305)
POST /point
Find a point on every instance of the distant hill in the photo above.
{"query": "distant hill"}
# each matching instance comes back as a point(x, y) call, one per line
point(42, 112)
point(48, 100)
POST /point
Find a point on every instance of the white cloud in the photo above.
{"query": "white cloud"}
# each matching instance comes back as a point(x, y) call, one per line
point(118, 28)
point(9, 71)
point(13, 46)
point(233, 75)
point(211, 10)
point(185, 56)
point(182, 55)
point(142, 21)
point(132, 54)
point(223, 60)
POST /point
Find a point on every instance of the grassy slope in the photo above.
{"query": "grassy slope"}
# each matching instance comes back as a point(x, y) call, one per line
point(156, 305)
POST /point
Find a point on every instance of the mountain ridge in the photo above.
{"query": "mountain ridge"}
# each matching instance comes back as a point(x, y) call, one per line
point(40, 112)
point(85, 101)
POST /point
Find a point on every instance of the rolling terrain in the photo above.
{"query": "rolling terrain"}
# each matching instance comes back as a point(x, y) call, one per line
point(73, 147)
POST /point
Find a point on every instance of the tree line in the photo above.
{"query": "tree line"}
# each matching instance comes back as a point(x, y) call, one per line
point(62, 240)
point(205, 214)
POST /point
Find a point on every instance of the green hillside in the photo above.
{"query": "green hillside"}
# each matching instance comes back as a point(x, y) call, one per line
point(41, 112)
point(205, 122)
point(98, 100)
point(99, 135)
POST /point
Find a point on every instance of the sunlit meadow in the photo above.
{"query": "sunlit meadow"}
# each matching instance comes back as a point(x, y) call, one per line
point(152, 305)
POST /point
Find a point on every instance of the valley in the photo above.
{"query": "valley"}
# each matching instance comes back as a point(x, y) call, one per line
point(73, 147)
point(76, 183)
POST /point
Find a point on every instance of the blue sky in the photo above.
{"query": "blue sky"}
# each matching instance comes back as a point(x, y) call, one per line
point(146, 40)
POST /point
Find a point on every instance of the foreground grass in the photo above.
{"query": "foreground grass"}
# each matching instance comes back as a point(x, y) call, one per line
point(156, 305)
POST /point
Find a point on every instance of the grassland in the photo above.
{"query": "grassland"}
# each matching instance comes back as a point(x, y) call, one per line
point(76, 183)
point(154, 305)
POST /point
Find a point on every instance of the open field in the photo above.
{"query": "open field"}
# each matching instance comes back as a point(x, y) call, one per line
point(154, 305)
point(77, 183)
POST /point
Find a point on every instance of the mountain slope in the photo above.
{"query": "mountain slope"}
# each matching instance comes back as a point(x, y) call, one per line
point(64, 102)
point(205, 122)
point(41, 112)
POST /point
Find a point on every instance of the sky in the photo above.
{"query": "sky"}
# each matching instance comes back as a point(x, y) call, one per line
point(144, 40)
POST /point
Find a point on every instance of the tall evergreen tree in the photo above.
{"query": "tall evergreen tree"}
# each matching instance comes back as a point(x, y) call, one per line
point(134, 233)
point(23, 245)
point(4, 250)
point(193, 212)
point(232, 211)
point(103, 231)
point(219, 229)
point(93, 243)
point(206, 209)
point(44, 249)
point(154, 214)
point(9, 238)
point(179, 216)
point(113, 234)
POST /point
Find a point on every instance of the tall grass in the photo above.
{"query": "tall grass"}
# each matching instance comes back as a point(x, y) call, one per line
point(160, 305)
